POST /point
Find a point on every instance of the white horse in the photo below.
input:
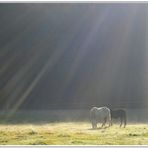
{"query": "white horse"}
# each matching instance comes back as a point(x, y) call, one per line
point(101, 114)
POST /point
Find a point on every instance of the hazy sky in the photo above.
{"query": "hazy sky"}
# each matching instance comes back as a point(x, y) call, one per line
point(73, 55)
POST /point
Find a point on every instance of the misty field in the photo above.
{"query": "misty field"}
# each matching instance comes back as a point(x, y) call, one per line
point(72, 133)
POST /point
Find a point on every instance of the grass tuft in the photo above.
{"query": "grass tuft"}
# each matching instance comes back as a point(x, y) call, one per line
point(72, 133)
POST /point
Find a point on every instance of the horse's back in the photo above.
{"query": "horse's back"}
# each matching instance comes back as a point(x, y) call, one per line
point(101, 111)
point(118, 113)
point(122, 112)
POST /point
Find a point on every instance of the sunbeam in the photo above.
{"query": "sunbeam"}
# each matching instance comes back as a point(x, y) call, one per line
point(67, 67)
point(84, 47)
point(145, 62)
point(115, 62)
point(72, 56)
point(46, 68)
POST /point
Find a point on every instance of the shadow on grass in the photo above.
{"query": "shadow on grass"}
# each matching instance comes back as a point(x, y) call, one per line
point(36, 122)
point(98, 128)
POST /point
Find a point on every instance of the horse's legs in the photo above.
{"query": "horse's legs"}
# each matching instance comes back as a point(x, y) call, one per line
point(121, 121)
point(105, 119)
point(124, 122)
point(111, 122)
point(103, 124)
point(94, 124)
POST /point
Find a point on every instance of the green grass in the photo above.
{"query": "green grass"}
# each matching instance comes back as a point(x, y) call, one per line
point(72, 133)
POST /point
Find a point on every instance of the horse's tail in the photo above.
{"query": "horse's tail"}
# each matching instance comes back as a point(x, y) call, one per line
point(110, 118)
point(93, 118)
point(92, 115)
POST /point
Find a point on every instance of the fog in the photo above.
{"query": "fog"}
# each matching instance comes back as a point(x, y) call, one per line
point(69, 57)
point(72, 115)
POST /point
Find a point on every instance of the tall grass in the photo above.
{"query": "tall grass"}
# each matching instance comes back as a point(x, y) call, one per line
point(72, 133)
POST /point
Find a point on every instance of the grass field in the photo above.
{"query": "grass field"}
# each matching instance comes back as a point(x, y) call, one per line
point(72, 133)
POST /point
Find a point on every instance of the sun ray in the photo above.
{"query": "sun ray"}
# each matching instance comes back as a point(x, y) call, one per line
point(114, 59)
point(46, 68)
point(83, 49)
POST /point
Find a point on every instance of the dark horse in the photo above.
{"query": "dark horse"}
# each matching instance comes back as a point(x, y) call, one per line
point(118, 113)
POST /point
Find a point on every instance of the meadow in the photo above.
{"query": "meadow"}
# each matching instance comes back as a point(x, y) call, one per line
point(72, 133)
